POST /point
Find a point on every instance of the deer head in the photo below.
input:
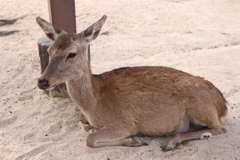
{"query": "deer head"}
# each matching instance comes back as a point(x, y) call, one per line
point(68, 57)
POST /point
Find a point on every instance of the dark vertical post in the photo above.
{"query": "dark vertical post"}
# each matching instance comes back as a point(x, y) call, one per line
point(43, 44)
point(62, 14)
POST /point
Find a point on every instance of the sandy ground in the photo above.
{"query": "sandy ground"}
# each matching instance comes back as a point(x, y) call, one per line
point(201, 37)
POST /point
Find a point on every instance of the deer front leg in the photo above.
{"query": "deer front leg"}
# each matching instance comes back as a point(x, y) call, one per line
point(86, 125)
point(83, 119)
point(113, 137)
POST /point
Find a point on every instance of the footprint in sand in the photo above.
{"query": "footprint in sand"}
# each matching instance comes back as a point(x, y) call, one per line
point(56, 128)
point(8, 121)
point(33, 152)
point(19, 72)
point(234, 90)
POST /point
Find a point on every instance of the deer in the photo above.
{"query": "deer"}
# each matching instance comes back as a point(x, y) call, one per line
point(126, 103)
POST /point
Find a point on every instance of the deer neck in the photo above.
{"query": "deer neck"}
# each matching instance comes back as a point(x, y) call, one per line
point(81, 91)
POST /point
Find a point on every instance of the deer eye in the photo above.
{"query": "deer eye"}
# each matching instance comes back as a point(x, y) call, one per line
point(71, 55)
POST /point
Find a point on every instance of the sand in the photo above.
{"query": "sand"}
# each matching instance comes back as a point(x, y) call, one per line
point(200, 37)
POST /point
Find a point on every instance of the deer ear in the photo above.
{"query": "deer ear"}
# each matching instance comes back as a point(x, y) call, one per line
point(51, 31)
point(92, 31)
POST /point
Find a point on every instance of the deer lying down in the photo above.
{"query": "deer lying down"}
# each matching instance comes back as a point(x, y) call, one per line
point(125, 102)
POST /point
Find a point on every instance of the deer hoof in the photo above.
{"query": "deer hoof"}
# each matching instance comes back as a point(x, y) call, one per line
point(166, 148)
point(206, 135)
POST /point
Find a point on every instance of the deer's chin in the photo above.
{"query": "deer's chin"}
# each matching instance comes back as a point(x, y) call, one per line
point(53, 86)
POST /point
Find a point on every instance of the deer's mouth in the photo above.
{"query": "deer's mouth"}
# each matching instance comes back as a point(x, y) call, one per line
point(47, 87)
point(47, 84)
point(52, 87)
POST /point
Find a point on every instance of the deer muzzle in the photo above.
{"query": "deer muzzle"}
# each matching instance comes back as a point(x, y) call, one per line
point(43, 84)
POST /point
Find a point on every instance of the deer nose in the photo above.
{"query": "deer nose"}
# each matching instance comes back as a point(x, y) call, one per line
point(42, 84)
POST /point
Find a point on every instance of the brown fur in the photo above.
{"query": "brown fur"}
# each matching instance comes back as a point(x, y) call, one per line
point(128, 101)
